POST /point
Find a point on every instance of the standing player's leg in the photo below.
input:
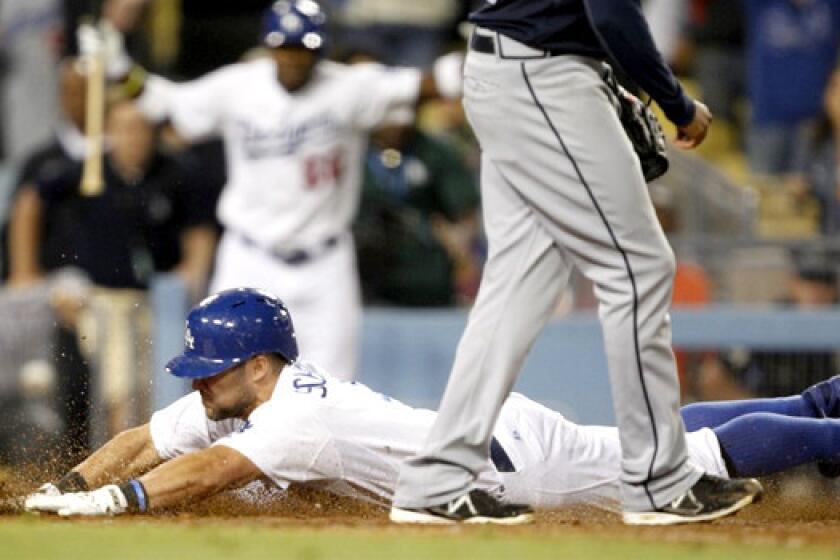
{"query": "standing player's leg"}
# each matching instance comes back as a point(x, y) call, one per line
point(606, 221)
point(521, 282)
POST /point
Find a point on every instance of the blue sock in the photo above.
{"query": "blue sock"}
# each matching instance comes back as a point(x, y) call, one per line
point(714, 413)
point(761, 443)
point(821, 400)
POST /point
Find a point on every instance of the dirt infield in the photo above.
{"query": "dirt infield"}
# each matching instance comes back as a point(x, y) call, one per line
point(772, 522)
point(777, 521)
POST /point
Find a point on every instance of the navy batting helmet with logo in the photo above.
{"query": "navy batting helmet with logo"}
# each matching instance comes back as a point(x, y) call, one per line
point(226, 329)
point(294, 23)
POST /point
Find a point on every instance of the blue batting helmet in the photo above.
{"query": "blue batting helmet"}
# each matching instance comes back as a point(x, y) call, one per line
point(226, 329)
point(294, 23)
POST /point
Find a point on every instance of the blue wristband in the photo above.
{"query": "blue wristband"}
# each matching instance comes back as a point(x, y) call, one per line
point(135, 495)
point(141, 494)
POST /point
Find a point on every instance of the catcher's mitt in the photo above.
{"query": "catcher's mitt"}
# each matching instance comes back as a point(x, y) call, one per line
point(642, 128)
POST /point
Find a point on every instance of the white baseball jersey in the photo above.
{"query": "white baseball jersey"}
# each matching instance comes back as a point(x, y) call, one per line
point(294, 164)
point(293, 159)
point(348, 439)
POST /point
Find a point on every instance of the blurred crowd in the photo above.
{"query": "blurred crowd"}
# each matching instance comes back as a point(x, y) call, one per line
point(768, 71)
point(411, 197)
point(766, 68)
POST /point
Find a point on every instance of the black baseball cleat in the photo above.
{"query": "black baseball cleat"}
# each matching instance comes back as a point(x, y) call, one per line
point(710, 498)
point(477, 506)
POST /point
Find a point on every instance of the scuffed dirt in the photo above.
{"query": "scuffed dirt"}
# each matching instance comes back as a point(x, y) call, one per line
point(778, 520)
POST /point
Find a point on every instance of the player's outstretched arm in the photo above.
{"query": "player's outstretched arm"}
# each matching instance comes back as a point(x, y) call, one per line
point(127, 454)
point(186, 479)
point(196, 476)
point(127, 80)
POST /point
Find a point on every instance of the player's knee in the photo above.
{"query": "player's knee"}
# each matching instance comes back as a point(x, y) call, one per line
point(642, 277)
point(667, 264)
point(655, 268)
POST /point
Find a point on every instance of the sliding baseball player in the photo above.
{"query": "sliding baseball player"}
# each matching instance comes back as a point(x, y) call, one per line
point(259, 412)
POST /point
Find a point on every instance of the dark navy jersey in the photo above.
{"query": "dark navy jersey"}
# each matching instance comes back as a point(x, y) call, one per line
point(602, 29)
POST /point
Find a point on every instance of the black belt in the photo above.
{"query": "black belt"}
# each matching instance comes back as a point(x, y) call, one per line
point(486, 44)
point(500, 458)
point(483, 43)
point(295, 256)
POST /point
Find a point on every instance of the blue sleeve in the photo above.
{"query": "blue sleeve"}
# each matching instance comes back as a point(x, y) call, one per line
point(624, 33)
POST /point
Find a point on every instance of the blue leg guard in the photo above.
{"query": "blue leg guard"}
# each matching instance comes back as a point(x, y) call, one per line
point(817, 401)
point(714, 413)
point(761, 443)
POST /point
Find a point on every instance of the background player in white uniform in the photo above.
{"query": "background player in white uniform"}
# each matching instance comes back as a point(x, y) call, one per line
point(295, 128)
point(258, 412)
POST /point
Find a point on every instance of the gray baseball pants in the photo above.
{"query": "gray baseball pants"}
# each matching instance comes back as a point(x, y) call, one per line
point(561, 187)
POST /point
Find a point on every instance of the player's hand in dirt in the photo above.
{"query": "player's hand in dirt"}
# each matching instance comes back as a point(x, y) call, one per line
point(46, 490)
point(48, 502)
point(108, 500)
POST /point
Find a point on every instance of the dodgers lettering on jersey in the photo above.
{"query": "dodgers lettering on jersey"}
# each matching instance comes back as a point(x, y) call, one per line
point(284, 139)
point(308, 380)
point(294, 160)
